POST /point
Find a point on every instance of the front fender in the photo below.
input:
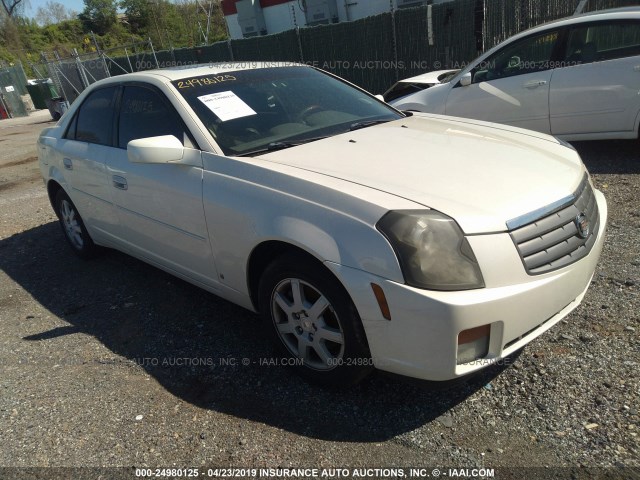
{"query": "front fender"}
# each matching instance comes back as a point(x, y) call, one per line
point(241, 215)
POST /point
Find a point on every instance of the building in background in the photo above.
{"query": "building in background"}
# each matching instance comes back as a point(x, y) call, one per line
point(250, 18)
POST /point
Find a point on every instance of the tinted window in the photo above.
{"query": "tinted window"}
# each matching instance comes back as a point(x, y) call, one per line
point(144, 113)
point(531, 54)
point(604, 41)
point(95, 117)
point(71, 130)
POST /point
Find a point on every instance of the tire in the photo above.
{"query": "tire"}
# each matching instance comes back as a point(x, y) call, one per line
point(313, 322)
point(73, 227)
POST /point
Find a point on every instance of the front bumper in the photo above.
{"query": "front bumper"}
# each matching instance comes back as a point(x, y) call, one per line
point(421, 339)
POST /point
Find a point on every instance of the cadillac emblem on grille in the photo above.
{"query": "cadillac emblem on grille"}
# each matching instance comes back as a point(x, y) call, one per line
point(582, 224)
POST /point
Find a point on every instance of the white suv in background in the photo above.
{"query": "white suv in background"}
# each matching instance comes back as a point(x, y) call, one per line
point(577, 78)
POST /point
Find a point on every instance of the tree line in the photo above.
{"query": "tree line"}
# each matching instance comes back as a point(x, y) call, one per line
point(106, 24)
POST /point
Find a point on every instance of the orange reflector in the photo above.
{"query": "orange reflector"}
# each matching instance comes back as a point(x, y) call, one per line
point(382, 301)
point(473, 334)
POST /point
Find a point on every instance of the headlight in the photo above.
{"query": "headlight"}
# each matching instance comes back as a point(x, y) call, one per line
point(432, 250)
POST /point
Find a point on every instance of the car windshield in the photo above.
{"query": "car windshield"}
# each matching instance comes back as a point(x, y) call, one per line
point(249, 112)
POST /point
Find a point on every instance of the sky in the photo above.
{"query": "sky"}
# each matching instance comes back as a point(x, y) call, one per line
point(32, 5)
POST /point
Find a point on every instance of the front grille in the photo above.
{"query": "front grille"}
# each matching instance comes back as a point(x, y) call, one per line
point(552, 240)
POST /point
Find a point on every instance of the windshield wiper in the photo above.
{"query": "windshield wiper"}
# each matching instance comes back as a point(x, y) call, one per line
point(274, 146)
point(365, 124)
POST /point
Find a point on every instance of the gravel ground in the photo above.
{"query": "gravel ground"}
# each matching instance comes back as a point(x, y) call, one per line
point(114, 363)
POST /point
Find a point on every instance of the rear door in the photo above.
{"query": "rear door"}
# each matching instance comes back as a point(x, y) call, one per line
point(598, 90)
point(511, 86)
point(84, 148)
point(159, 205)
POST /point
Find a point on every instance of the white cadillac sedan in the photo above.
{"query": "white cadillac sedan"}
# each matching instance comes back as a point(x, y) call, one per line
point(577, 78)
point(366, 238)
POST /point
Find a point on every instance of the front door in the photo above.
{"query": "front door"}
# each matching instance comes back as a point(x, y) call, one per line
point(511, 86)
point(159, 205)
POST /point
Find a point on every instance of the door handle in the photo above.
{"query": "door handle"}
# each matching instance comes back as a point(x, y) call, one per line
point(68, 164)
point(636, 68)
point(535, 83)
point(119, 182)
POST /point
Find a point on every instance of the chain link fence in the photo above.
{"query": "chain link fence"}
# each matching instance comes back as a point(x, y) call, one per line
point(373, 52)
point(13, 85)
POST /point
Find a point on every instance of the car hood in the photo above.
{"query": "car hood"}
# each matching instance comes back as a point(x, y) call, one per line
point(429, 77)
point(480, 174)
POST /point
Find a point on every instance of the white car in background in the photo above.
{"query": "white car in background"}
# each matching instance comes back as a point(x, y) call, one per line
point(418, 83)
point(417, 244)
point(577, 78)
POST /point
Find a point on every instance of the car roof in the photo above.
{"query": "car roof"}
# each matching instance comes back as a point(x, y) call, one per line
point(609, 14)
point(176, 73)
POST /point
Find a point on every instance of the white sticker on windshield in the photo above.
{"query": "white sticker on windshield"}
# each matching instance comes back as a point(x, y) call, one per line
point(226, 105)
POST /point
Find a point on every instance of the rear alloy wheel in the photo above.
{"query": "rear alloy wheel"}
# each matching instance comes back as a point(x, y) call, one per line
point(73, 227)
point(313, 322)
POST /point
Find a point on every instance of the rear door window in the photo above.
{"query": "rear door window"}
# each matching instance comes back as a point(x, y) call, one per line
point(94, 120)
point(603, 41)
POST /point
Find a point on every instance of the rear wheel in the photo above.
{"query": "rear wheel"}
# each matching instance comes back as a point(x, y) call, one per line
point(313, 322)
point(73, 227)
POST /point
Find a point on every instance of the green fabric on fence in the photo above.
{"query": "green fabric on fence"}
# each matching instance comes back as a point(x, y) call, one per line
point(450, 43)
point(281, 46)
point(361, 51)
point(218, 52)
point(14, 76)
point(364, 51)
point(593, 5)
point(120, 65)
point(95, 69)
point(70, 79)
point(185, 56)
point(165, 58)
point(505, 18)
point(9, 88)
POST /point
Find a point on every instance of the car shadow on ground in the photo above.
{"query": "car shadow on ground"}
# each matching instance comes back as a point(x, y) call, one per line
point(610, 157)
point(196, 345)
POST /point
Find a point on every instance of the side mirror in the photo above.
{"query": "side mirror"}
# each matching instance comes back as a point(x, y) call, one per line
point(164, 149)
point(379, 97)
point(465, 80)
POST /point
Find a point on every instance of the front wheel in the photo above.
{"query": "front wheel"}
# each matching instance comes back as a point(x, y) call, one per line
point(73, 227)
point(313, 322)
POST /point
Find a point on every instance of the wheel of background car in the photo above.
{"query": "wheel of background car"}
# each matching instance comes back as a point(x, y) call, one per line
point(313, 322)
point(73, 227)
